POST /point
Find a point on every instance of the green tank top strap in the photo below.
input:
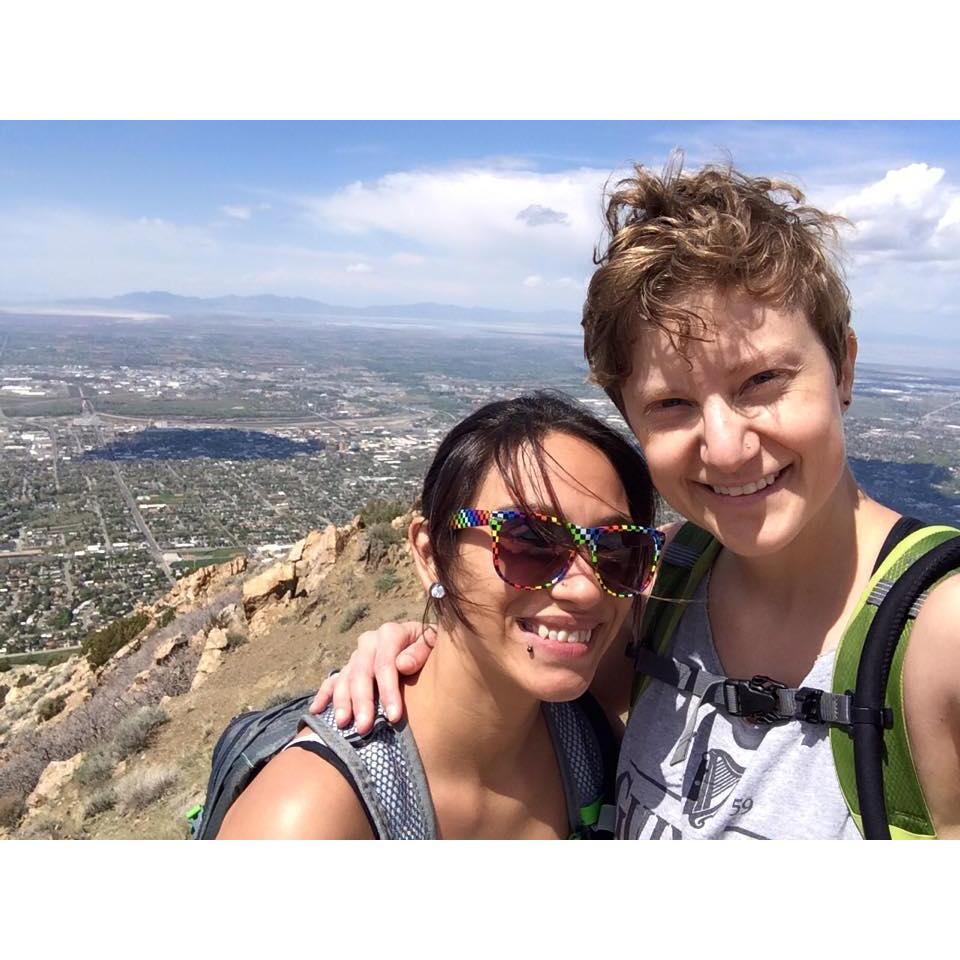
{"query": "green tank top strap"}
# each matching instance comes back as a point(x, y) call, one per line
point(687, 558)
point(907, 811)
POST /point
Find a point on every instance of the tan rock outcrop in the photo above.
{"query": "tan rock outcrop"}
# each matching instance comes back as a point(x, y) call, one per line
point(214, 650)
point(53, 779)
point(190, 590)
point(278, 580)
point(167, 648)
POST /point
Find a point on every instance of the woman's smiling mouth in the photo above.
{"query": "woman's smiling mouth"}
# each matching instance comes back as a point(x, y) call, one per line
point(763, 484)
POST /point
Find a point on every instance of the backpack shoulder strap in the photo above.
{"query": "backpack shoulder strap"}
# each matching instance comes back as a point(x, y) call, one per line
point(684, 564)
point(587, 754)
point(907, 813)
point(387, 771)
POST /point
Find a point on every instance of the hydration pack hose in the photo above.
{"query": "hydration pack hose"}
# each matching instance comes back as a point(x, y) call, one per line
point(870, 695)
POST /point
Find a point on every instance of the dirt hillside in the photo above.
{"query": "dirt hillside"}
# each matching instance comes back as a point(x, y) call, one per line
point(123, 750)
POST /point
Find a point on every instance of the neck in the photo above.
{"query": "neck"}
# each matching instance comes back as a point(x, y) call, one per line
point(470, 720)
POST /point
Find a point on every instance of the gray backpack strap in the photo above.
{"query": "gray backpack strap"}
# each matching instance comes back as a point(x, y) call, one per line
point(344, 750)
point(386, 767)
point(579, 757)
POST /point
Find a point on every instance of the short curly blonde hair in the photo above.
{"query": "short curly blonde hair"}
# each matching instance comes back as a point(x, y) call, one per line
point(676, 234)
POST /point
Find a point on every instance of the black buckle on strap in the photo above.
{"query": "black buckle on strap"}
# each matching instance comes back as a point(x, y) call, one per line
point(754, 699)
point(808, 701)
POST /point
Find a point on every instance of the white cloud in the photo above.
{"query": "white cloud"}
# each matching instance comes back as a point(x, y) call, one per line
point(238, 212)
point(408, 259)
point(359, 268)
point(909, 214)
point(534, 280)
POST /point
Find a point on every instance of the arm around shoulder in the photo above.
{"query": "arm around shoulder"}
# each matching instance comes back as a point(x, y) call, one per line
point(297, 796)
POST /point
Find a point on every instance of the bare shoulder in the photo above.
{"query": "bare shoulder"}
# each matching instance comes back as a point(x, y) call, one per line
point(297, 796)
point(931, 683)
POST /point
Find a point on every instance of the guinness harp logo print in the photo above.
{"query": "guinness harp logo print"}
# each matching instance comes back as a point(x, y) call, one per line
point(718, 777)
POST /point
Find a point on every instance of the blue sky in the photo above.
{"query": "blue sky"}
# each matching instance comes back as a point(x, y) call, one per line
point(478, 214)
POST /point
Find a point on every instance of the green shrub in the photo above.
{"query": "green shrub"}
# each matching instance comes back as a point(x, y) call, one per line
point(384, 534)
point(101, 645)
point(97, 766)
point(386, 581)
point(353, 616)
point(49, 708)
point(166, 616)
point(136, 730)
point(382, 511)
point(100, 801)
point(5, 665)
point(12, 809)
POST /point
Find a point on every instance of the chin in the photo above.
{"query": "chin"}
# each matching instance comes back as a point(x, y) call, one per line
point(556, 684)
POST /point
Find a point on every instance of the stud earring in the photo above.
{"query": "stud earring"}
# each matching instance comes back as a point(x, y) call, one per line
point(437, 590)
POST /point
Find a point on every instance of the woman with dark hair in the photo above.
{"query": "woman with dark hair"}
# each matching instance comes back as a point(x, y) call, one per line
point(534, 536)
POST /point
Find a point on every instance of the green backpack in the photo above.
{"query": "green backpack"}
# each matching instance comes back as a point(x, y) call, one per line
point(865, 706)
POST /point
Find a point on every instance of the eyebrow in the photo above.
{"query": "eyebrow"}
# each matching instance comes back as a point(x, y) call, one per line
point(550, 510)
point(777, 357)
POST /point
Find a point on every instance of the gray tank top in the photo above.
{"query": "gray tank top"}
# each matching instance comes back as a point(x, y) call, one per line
point(739, 779)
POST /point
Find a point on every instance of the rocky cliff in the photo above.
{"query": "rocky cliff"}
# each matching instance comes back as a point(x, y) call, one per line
point(123, 750)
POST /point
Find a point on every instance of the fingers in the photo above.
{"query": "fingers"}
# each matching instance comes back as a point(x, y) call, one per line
point(391, 639)
point(324, 695)
point(412, 659)
point(342, 708)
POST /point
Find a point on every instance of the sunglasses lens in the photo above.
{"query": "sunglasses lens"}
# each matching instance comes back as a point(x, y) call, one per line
point(625, 560)
point(531, 552)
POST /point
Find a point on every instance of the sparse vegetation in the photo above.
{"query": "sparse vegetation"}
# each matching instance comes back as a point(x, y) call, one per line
point(386, 581)
point(12, 809)
point(139, 789)
point(101, 800)
point(353, 616)
point(383, 533)
point(381, 511)
point(97, 766)
point(101, 645)
point(135, 731)
point(282, 696)
point(49, 708)
point(236, 639)
point(165, 617)
point(5, 665)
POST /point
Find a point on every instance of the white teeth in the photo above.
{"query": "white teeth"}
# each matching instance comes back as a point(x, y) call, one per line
point(748, 488)
point(558, 636)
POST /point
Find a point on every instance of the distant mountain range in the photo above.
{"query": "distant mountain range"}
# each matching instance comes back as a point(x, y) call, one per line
point(269, 305)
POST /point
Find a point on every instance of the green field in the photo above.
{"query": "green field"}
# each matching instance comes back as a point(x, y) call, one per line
point(45, 658)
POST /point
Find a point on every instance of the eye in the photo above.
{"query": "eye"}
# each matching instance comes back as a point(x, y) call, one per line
point(759, 379)
point(668, 403)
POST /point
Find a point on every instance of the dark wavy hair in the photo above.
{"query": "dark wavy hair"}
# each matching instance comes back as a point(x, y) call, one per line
point(505, 435)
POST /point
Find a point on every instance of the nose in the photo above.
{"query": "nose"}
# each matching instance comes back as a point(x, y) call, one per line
point(579, 584)
point(728, 439)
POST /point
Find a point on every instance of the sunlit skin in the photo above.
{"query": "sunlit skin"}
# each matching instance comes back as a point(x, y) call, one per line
point(475, 708)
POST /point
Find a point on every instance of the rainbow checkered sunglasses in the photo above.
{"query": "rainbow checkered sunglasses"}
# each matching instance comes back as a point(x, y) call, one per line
point(534, 551)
